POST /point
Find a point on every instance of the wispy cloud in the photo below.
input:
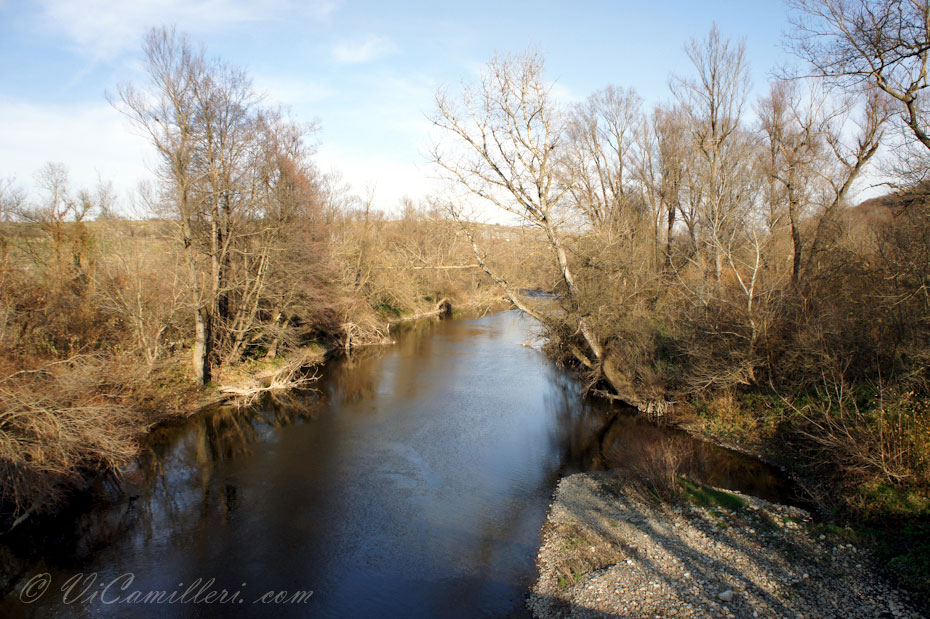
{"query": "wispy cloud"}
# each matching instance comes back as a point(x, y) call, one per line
point(93, 140)
point(103, 29)
point(364, 50)
point(293, 91)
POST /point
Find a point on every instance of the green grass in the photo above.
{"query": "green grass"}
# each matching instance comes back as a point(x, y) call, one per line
point(833, 530)
point(571, 542)
point(699, 494)
point(389, 310)
point(886, 500)
point(567, 581)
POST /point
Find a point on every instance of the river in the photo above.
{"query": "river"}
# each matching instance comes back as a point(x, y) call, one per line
point(413, 483)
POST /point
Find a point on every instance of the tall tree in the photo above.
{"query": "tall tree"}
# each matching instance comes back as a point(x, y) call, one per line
point(713, 101)
point(885, 43)
point(502, 145)
point(234, 177)
point(601, 136)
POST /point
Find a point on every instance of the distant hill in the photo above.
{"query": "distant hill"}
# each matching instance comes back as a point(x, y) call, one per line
point(882, 209)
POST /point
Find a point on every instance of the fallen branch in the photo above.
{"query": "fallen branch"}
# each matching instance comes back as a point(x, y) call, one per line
point(284, 378)
point(428, 266)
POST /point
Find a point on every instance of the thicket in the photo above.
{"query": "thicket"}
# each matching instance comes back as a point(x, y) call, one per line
point(711, 263)
point(241, 257)
point(709, 260)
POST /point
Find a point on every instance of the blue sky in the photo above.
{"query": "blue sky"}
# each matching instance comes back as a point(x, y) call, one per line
point(366, 71)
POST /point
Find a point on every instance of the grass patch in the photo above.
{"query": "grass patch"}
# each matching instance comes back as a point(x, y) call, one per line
point(389, 310)
point(568, 580)
point(578, 551)
point(702, 495)
point(883, 500)
point(573, 542)
point(835, 531)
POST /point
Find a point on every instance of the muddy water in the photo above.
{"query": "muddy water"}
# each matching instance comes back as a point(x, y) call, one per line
point(413, 484)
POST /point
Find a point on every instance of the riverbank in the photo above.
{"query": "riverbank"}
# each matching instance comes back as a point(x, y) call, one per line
point(861, 462)
point(430, 462)
point(611, 550)
point(69, 424)
point(99, 410)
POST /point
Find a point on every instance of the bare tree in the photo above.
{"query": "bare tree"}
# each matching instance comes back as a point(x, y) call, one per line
point(662, 168)
point(601, 135)
point(505, 136)
point(810, 164)
point(885, 43)
point(234, 177)
point(60, 215)
point(166, 112)
point(11, 199)
point(336, 194)
point(853, 137)
point(794, 127)
point(713, 102)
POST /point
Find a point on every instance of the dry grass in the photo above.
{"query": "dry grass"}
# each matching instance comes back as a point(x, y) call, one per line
point(653, 463)
point(876, 440)
point(66, 420)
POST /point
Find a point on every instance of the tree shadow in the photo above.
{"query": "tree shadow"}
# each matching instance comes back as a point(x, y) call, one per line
point(647, 558)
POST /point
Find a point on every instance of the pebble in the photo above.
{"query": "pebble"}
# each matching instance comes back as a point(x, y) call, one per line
point(691, 559)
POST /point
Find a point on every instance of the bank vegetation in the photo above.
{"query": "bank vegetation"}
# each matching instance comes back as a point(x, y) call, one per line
point(242, 264)
point(715, 268)
point(711, 262)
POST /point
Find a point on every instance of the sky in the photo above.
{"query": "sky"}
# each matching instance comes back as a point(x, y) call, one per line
point(367, 72)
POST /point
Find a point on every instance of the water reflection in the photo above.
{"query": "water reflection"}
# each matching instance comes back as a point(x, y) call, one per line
point(412, 481)
point(592, 434)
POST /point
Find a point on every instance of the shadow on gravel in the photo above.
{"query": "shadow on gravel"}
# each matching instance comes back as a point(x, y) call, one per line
point(608, 552)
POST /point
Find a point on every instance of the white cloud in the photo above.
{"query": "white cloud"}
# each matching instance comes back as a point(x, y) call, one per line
point(563, 94)
point(92, 141)
point(365, 50)
point(393, 180)
point(102, 29)
point(292, 91)
point(390, 179)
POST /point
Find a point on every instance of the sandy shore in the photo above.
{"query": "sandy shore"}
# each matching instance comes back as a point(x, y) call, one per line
point(608, 552)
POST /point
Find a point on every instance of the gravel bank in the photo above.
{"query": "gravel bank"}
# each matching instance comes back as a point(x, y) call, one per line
point(606, 552)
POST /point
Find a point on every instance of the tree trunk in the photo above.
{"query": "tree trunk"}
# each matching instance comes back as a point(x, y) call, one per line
point(201, 353)
point(584, 325)
point(668, 236)
point(796, 240)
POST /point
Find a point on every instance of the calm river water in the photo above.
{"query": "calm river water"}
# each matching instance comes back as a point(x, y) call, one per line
point(414, 484)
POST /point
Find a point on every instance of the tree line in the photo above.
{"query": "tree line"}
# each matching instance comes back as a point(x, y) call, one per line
point(708, 261)
point(709, 258)
point(242, 257)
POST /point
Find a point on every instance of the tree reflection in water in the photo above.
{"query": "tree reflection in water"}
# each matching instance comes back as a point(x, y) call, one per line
point(431, 462)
